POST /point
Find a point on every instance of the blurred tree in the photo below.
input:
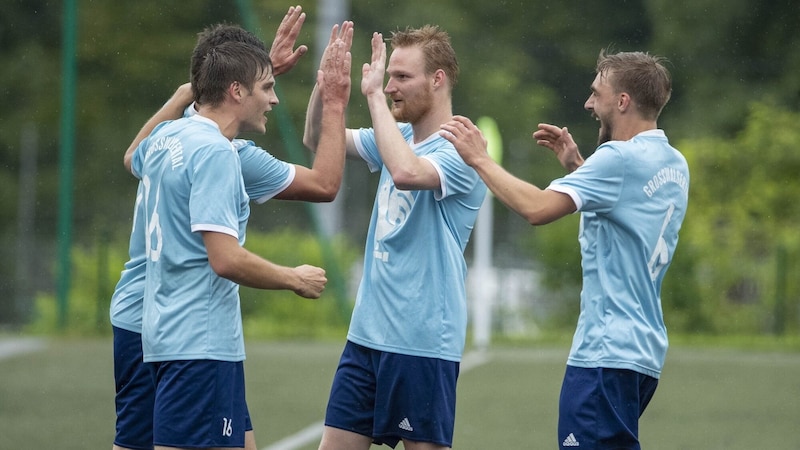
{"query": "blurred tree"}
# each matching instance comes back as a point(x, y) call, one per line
point(742, 209)
point(724, 57)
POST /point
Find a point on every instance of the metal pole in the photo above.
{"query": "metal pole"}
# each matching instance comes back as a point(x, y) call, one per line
point(330, 13)
point(484, 282)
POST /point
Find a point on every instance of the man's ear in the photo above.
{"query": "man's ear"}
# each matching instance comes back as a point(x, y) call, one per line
point(624, 102)
point(439, 78)
point(235, 90)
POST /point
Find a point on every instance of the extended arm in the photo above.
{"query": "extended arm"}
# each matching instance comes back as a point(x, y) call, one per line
point(537, 206)
point(173, 109)
point(313, 126)
point(235, 263)
point(322, 181)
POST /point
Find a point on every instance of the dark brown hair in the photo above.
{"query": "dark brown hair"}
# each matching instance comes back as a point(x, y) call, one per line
point(213, 36)
point(225, 64)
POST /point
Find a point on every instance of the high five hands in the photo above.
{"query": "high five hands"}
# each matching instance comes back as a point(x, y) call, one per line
point(282, 53)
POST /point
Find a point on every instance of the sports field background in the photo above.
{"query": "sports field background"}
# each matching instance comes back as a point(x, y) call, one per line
point(60, 395)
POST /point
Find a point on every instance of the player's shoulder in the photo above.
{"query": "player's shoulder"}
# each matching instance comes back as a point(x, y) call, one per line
point(245, 145)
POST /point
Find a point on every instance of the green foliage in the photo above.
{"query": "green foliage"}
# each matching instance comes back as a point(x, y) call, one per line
point(95, 271)
point(266, 314)
point(742, 209)
point(723, 57)
point(558, 257)
point(283, 314)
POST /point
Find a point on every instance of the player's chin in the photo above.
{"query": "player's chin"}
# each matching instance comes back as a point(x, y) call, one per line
point(398, 115)
point(260, 127)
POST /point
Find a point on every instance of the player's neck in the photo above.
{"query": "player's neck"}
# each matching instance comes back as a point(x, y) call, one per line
point(431, 122)
point(628, 129)
point(227, 123)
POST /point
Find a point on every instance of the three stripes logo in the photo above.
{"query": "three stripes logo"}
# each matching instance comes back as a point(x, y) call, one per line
point(570, 441)
point(405, 425)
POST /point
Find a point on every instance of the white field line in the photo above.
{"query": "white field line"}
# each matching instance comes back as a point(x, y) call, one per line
point(303, 437)
point(13, 347)
point(313, 432)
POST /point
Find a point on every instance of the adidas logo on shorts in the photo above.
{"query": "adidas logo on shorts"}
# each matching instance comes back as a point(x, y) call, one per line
point(570, 441)
point(405, 425)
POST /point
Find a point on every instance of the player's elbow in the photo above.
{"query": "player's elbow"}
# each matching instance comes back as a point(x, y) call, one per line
point(224, 266)
point(537, 219)
point(327, 194)
point(220, 268)
point(325, 186)
point(227, 271)
point(309, 143)
point(127, 161)
point(544, 214)
point(405, 180)
point(311, 138)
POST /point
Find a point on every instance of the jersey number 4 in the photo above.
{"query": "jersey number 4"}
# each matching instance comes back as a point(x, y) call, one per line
point(660, 257)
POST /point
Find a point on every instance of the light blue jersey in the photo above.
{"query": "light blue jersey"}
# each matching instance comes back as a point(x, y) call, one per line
point(264, 177)
point(632, 196)
point(126, 302)
point(191, 183)
point(412, 297)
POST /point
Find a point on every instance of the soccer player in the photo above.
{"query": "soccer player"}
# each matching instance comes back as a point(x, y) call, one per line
point(632, 194)
point(396, 378)
point(264, 177)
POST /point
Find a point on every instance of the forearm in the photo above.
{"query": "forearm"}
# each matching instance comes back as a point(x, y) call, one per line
point(172, 109)
point(570, 159)
point(573, 163)
point(409, 172)
point(248, 269)
point(561, 143)
point(311, 132)
point(329, 160)
point(321, 182)
point(535, 205)
point(233, 262)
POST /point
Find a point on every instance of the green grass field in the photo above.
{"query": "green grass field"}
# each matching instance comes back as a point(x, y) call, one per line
point(62, 397)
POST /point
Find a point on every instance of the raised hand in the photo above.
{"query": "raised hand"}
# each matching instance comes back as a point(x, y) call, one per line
point(333, 77)
point(283, 54)
point(344, 33)
point(372, 74)
point(560, 141)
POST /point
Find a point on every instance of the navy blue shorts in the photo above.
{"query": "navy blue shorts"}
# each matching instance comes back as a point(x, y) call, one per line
point(390, 397)
point(200, 404)
point(600, 408)
point(135, 392)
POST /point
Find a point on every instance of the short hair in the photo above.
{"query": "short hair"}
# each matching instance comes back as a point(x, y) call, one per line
point(215, 35)
point(642, 76)
point(436, 48)
point(227, 63)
